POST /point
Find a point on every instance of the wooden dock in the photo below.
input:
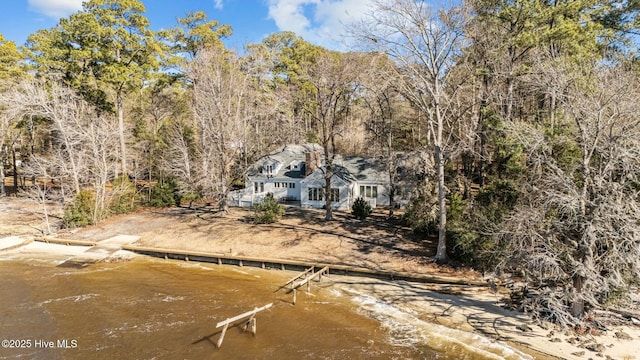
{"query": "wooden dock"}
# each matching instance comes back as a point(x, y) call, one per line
point(308, 275)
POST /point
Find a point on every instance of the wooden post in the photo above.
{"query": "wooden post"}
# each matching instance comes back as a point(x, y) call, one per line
point(246, 325)
point(224, 330)
point(293, 279)
point(308, 279)
point(252, 322)
point(254, 327)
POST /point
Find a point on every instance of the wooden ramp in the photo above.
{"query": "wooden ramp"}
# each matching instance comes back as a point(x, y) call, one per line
point(98, 252)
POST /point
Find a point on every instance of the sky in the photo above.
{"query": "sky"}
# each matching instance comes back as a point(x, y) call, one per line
point(321, 22)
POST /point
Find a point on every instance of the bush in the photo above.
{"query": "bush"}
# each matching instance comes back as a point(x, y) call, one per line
point(268, 211)
point(470, 229)
point(422, 212)
point(124, 197)
point(81, 212)
point(164, 193)
point(190, 197)
point(361, 209)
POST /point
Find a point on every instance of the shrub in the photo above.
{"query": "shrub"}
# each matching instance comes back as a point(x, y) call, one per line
point(124, 197)
point(470, 229)
point(164, 193)
point(268, 211)
point(191, 197)
point(81, 211)
point(422, 212)
point(360, 208)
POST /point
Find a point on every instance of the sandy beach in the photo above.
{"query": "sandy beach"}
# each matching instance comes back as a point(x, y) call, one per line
point(476, 310)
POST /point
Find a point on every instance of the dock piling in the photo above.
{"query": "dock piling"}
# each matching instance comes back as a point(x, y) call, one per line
point(251, 322)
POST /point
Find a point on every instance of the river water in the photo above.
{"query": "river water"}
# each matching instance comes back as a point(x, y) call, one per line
point(155, 309)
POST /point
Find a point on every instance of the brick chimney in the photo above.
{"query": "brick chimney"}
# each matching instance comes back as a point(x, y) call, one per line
point(312, 162)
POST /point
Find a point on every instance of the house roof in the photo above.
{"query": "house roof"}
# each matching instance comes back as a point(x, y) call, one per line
point(364, 170)
point(340, 172)
point(286, 157)
point(348, 169)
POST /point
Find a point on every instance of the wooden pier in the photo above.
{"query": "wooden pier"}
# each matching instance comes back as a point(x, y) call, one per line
point(307, 280)
point(302, 274)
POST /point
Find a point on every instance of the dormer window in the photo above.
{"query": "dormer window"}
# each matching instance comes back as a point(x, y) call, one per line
point(295, 165)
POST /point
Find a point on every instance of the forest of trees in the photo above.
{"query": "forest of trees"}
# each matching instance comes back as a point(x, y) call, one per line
point(526, 113)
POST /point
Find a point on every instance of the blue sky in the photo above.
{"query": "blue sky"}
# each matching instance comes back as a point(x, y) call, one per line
point(318, 21)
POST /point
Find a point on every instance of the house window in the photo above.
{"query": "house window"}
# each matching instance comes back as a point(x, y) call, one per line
point(276, 184)
point(334, 195)
point(292, 185)
point(368, 191)
point(315, 194)
point(258, 187)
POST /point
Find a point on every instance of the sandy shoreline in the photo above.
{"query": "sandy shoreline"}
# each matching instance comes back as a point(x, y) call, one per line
point(304, 236)
point(474, 310)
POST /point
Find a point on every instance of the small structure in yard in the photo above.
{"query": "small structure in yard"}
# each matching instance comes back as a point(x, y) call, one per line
point(295, 176)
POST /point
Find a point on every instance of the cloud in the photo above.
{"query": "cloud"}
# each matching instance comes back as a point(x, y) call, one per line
point(55, 8)
point(321, 22)
point(218, 4)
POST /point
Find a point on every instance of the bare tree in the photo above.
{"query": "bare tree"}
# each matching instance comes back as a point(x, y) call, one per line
point(84, 145)
point(5, 125)
point(576, 232)
point(384, 104)
point(224, 109)
point(425, 44)
point(41, 192)
point(333, 81)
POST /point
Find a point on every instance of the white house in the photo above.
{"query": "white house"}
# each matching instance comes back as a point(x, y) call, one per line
point(295, 175)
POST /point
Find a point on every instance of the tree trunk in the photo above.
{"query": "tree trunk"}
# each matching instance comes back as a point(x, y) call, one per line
point(223, 205)
point(15, 170)
point(327, 191)
point(441, 254)
point(509, 106)
point(577, 308)
point(123, 146)
point(3, 190)
point(391, 170)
